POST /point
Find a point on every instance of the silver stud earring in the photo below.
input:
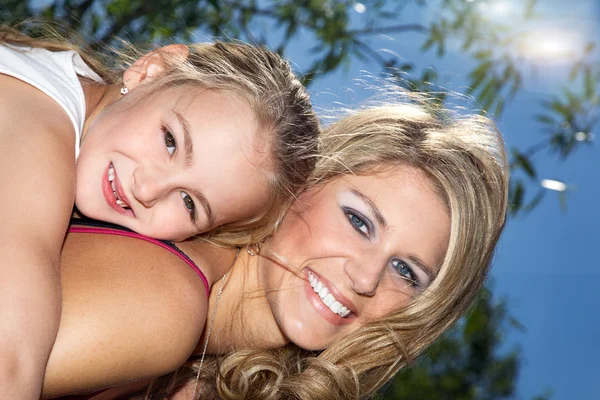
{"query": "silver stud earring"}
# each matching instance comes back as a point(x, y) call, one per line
point(124, 89)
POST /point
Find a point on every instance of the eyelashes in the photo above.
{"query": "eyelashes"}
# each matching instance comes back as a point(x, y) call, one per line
point(171, 146)
point(406, 272)
point(170, 142)
point(189, 205)
point(359, 222)
point(364, 226)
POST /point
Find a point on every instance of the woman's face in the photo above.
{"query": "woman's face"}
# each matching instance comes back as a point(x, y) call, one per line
point(173, 164)
point(361, 247)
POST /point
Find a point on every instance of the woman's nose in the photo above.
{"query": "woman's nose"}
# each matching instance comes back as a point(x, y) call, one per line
point(149, 185)
point(365, 276)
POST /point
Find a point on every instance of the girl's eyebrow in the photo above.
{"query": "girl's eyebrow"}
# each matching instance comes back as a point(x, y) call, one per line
point(188, 143)
point(372, 207)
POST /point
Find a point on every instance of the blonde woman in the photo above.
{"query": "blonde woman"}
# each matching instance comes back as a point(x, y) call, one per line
point(375, 260)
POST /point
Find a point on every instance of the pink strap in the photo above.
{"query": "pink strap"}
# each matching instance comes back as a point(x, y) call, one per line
point(108, 231)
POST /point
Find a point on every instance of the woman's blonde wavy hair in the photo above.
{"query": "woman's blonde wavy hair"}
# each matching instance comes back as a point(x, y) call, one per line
point(288, 125)
point(465, 160)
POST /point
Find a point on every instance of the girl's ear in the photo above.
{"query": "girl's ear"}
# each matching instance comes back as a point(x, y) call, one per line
point(152, 64)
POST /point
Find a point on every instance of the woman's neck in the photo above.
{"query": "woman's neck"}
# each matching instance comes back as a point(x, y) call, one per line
point(214, 261)
point(244, 318)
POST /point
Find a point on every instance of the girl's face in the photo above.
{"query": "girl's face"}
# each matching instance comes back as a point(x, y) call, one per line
point(361, 247)
point(173, 164)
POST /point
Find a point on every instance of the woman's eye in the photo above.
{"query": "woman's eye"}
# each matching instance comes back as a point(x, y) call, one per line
point(189, 204)
point(170, 143)
point(405, 271)
point(358, 223)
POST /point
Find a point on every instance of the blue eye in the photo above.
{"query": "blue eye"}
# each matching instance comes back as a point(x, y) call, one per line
point(170, 142)
point(405, 271)
point(359, 223)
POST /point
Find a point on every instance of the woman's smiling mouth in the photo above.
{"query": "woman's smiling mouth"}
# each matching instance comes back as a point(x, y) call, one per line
point(327, 298)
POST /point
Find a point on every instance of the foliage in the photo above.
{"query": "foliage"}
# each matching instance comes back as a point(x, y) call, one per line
point(467, 363)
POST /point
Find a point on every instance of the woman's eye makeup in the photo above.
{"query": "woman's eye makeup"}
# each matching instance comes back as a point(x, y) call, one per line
point(170, 142)
point(359, 222)
point(406, 272)
point(188, 202)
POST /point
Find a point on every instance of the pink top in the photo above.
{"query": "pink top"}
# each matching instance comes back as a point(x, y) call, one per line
point(165, 245)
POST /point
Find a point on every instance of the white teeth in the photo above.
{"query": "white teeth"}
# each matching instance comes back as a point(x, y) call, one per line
point(111, 179)
point(327, 298)
point(336, 307)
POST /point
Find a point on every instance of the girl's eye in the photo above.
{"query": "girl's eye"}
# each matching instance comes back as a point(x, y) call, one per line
point(359, 223)
point(405, 271)
point(170, 143)
point(189, 204)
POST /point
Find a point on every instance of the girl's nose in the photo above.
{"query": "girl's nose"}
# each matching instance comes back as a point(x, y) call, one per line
point(150, 185)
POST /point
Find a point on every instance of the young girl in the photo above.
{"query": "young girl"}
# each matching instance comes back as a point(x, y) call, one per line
point(185, 140)
point(376, 259)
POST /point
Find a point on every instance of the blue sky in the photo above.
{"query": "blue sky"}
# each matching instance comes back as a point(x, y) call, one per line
point(547, 262)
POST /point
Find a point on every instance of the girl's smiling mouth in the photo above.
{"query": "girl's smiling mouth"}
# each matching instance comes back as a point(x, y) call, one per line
point(113, 192)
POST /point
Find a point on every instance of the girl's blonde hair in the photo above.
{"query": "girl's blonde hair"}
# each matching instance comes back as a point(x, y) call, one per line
point(465, 160)
point(287, 123)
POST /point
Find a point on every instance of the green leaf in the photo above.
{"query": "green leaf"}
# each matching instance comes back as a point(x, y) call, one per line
point(483, 55)
point(561, 109)
point(428, 43)
point(562, 201)
point(216, 4)
point(487, 95)
point(516, 197)
point(477, 76)
point(535, 201)
point(545, 119)
point(590, 84)
point(589, 48)
point(529, 8)
point(524, 163)
point(499, 107)
point(575, 70)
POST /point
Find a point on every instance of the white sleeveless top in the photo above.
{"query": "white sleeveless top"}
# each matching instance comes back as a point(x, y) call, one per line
point(54, 73)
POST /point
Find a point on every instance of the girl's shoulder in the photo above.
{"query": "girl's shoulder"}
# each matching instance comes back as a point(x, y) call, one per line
point(131, 310)
point(56, 74)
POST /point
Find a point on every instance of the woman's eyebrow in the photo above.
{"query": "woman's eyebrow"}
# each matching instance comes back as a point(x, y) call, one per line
point(188, 143)
point(431, 274)
point(372, 207)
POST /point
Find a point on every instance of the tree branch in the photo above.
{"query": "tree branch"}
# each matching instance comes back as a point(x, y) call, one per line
point(389, 29)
